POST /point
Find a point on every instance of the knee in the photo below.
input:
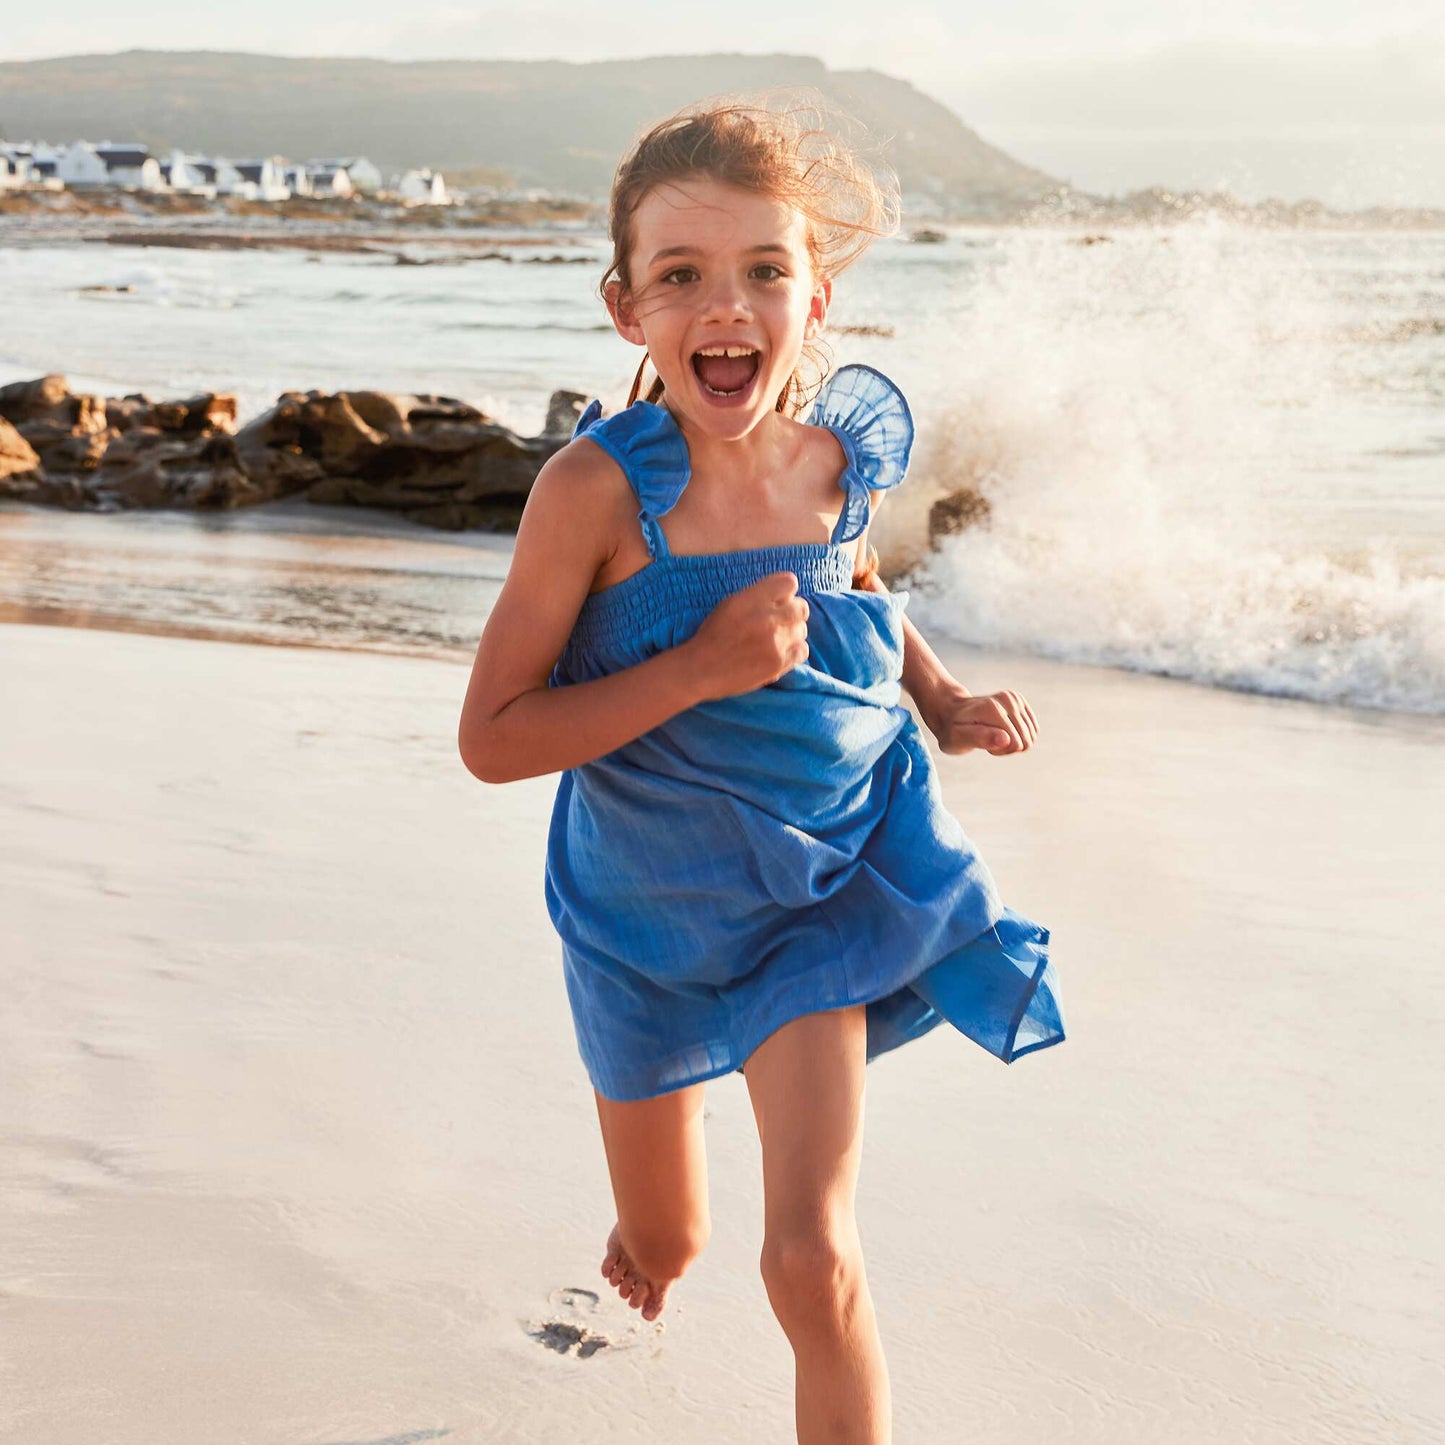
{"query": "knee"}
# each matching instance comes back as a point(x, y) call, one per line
point(666, 1252)
point(813, 1277)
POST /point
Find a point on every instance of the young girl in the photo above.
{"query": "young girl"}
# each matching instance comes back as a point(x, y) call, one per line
point(749, 864)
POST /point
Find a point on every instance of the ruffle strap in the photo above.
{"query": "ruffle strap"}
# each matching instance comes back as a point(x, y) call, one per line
point(870, 416)
point(648, 445)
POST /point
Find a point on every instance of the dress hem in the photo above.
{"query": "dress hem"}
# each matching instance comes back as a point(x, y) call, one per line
point(1035, 986)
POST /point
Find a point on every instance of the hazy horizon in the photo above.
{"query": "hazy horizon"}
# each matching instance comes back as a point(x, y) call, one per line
point(1340, 107)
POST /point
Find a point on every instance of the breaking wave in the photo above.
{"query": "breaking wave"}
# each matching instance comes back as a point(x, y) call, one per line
point(1142, 436)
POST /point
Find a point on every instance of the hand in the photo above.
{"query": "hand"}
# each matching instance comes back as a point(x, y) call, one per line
point(751, 638)
point(997, 722)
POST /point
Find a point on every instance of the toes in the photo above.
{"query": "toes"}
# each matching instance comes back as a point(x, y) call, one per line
point(640, 1293)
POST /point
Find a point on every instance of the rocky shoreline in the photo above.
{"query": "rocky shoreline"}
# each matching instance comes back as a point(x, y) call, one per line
point(79, 215)
point(430, 459)
point(454, 250)
point(116, 203)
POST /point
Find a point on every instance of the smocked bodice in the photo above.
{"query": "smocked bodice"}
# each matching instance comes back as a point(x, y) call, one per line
point(616, 622)
point(663, 604)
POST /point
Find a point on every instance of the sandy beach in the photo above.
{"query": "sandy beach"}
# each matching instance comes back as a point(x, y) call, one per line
point(297, 1146)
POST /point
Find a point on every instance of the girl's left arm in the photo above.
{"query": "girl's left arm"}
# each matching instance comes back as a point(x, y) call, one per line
point(997, 722)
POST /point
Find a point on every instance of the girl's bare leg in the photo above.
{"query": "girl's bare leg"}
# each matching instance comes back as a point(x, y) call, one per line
point(659, 1182)
point(806, 1085)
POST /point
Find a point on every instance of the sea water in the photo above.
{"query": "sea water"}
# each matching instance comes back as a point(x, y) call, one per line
point(1206, 451)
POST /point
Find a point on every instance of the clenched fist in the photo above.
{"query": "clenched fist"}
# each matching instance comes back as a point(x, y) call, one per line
point(752, 637)
point(998, 722)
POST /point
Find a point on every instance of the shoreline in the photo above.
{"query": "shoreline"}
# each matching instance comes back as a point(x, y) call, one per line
point(1077, 211)
point(292, 536)
point(957, 656)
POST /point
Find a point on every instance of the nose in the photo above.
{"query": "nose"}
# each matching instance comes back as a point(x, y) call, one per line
point(726, 299)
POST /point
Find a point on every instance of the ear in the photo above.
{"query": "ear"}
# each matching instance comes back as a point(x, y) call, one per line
point(624, 317)
point(818, 307)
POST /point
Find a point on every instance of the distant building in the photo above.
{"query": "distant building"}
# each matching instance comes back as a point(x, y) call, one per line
point(18, 165)
point(272, 178)
point(267, 178)
point(363, 175)
point(329, 179)
point(130, 165)
point(80, 165)
point(35, 163)
point(183, 173)
point(219, 174)
point(422, 188)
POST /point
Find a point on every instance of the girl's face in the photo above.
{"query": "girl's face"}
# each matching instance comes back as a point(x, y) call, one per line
point(716, 268)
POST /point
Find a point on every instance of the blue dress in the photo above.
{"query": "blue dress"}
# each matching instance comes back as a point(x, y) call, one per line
point(785, 850)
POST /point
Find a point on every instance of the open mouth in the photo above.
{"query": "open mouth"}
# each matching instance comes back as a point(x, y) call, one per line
point(726, 371)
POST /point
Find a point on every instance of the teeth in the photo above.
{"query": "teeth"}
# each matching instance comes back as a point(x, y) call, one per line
point(728, 351)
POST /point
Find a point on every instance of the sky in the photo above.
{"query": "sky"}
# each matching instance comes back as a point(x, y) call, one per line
point(1324, 99)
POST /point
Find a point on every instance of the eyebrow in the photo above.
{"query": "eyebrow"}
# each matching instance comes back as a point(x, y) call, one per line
point(767, 248)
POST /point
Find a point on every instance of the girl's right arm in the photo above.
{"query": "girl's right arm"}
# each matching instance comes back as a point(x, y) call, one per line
point(513, 725)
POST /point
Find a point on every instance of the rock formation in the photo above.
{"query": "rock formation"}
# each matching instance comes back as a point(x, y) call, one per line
point(17, 456)
point(433, 459)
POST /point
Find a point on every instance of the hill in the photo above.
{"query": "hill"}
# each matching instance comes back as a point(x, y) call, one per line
point(551, 123)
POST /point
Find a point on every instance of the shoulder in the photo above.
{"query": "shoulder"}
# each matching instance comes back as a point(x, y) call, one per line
point(580, 490)
point(870, 413)
point(578, 472)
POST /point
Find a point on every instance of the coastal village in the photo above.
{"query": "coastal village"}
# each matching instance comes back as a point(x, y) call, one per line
point(38, 165)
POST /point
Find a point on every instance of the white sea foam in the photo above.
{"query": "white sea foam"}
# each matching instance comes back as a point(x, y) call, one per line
point(1154, 424)
point(1308, 627)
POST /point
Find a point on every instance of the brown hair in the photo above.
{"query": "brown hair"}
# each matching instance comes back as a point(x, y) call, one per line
point(865, 574)
point(785, 152)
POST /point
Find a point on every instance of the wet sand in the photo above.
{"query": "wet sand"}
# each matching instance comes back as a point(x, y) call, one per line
point(297, 1146)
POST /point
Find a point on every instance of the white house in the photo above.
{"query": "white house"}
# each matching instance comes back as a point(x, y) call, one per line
point(297, 181)
point(32, 164)
point(268, 177)
point(80, 165)
point(183, 173)
point(329, 179)
point(364, 176)
point(220, 174)
point(422, 188)
point(40, 163)
point(130, 165)
point(45, 174)
point(17, 163)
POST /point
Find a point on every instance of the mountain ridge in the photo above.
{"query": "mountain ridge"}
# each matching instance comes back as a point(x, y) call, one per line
point(554, 124)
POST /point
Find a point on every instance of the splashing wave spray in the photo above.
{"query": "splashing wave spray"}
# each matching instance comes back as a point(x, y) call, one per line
point(1145, 419)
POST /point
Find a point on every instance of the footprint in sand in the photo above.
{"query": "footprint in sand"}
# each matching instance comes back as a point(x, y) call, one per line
point(570, 1326)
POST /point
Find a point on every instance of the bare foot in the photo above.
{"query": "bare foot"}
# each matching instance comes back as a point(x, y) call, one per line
point(634, 1286)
